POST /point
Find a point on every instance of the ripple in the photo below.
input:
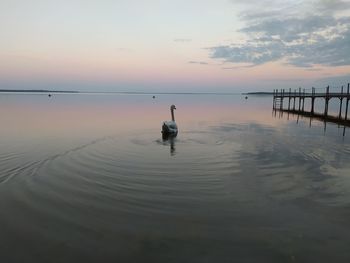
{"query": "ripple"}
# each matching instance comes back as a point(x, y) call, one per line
point(130, 176)
point(111, 180)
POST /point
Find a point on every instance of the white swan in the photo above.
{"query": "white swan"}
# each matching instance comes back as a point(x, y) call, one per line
point(169, 128)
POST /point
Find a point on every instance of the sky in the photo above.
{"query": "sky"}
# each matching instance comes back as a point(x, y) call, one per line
point(174, 46)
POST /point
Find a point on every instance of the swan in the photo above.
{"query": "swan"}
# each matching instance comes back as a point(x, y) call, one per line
point(169, 128)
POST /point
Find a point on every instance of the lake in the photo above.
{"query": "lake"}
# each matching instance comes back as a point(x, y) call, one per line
point(88, 178)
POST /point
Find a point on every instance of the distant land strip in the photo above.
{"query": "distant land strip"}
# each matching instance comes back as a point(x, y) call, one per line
point(160, 93)
point(116, 92)
point(38, 91)
point(258, 93)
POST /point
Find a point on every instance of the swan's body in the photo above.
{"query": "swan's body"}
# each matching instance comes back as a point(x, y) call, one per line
point(169, 128)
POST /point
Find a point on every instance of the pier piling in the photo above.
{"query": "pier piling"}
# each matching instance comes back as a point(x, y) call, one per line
point(299, 105)
point(301, 95)
point(313, 101)
point(289, 97)
point(326, 102)
point(295, 95)
point(341, 103)
point(347, 103)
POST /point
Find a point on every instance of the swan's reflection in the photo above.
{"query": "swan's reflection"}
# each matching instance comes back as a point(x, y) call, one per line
point(170, 139)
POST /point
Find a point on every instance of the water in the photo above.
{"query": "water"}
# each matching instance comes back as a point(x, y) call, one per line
point(88, 178)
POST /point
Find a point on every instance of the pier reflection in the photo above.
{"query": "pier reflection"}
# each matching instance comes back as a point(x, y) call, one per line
point(297, 115)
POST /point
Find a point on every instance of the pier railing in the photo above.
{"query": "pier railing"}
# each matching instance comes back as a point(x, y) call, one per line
point(294, 101)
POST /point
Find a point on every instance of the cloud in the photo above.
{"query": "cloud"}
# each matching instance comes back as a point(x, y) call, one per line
point(249, 52)
point(290, 29)
point(300, 33)
point(333, 5)
point(340, 80)
point(198, 62)
point(238, 67)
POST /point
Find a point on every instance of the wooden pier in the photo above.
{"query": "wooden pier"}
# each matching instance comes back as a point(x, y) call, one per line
point(294, 102)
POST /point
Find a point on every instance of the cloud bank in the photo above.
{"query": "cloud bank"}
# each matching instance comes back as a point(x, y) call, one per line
point(299, 33)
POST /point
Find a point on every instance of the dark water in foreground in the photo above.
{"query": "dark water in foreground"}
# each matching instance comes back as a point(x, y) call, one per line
point(88, 178)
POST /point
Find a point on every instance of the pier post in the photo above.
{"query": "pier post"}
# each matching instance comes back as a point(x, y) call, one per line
point(299, 106)
point(290, 93)
point(341, 102)
point(313, 100)
point(303, 99)
point(295, 94)
point(347, 103)
point(326, 102)
point(282, 96)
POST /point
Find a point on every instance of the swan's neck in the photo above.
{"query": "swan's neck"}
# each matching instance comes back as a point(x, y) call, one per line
point(172, 115)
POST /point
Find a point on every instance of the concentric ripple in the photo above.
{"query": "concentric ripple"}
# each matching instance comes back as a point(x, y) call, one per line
point(137, 176)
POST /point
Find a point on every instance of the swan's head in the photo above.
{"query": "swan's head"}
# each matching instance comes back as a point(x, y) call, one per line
point(172, 107)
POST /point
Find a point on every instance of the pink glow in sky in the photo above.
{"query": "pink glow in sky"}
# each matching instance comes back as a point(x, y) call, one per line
point(173, 46)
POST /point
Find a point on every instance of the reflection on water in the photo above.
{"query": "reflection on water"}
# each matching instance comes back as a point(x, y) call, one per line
point(170, 139)
point(90, 178)
point(310, 117)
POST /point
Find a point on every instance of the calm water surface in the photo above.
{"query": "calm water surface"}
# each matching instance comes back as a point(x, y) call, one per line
point(88, 178)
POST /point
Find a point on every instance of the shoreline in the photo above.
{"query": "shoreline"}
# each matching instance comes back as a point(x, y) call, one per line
point(36, 91)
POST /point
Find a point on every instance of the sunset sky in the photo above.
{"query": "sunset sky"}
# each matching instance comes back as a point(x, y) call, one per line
point(173, 46)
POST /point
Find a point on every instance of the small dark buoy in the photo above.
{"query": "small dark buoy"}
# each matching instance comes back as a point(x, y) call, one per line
point(154, 97)
point(49, 95)
point(246, 97)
